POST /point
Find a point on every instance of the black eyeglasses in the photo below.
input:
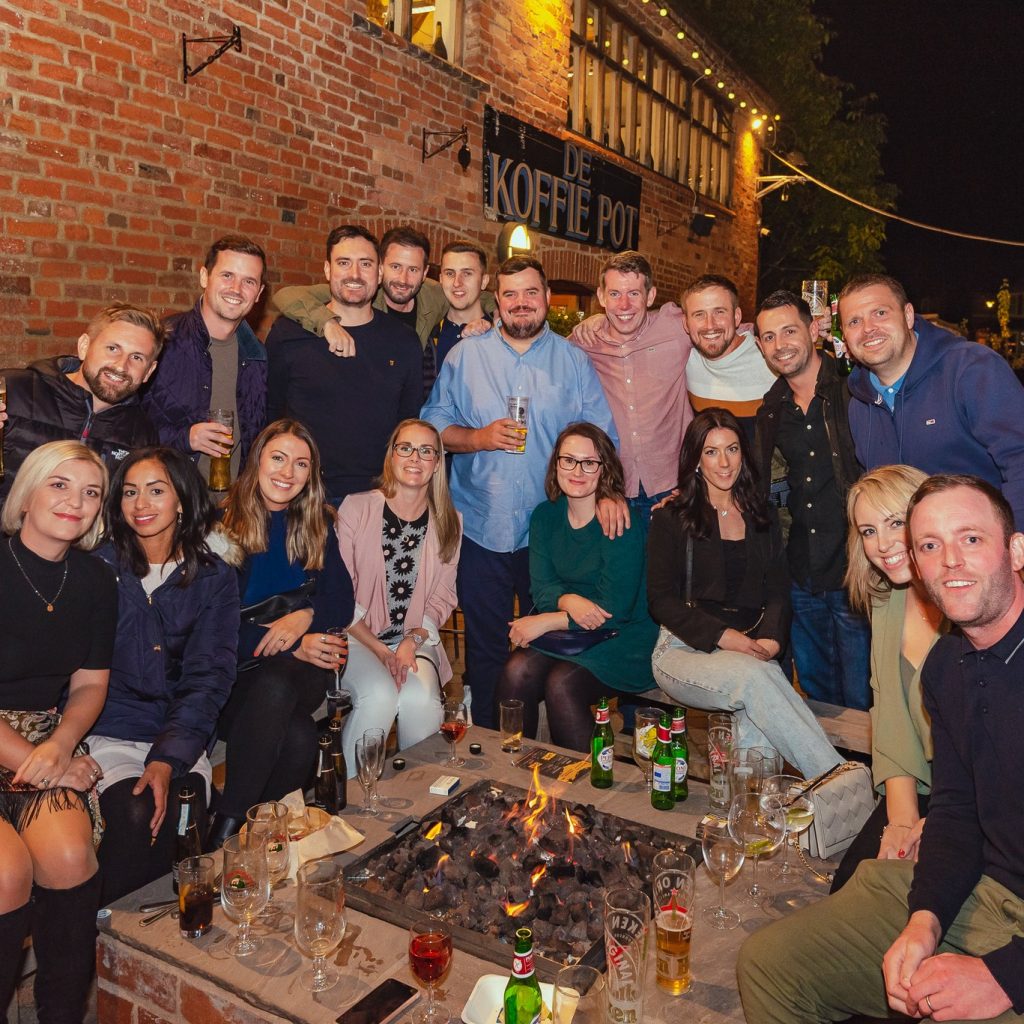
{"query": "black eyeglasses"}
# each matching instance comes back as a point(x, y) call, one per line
point(568, 463)
point(404, 450)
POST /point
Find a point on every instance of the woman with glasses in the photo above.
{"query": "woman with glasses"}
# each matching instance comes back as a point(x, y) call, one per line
point(401, 545)
point(294, 587)
point(580, 580)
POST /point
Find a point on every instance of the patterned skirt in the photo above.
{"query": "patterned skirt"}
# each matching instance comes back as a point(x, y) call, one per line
point(20, 803)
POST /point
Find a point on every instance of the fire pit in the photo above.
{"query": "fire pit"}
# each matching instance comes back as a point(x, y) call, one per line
point(496, 857)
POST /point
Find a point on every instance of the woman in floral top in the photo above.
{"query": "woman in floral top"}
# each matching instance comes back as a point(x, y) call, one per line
point(400, 543)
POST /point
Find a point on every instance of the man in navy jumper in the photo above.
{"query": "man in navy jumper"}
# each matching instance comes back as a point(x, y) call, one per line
point(927, 398)
point(942, 938)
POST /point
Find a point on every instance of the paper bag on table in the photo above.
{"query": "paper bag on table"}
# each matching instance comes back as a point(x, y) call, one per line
point(315, 833)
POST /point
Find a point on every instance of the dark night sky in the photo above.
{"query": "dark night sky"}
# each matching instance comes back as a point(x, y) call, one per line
point(948, 77)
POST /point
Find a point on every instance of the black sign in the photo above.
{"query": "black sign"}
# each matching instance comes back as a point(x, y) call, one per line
point(558, 187)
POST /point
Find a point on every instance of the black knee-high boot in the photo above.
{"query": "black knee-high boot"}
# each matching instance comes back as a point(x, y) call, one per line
point(13, 929)
point(64, 937)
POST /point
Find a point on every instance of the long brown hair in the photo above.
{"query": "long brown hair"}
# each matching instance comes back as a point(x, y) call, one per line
point(439, 500)
point(611, 480)
point(246, 517)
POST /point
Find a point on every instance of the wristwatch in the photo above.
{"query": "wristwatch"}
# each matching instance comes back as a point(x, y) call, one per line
point(418, 640)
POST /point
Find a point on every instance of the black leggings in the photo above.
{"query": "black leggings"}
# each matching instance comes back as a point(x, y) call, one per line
point(268, 726)
point(128, 857)
point(567, 689)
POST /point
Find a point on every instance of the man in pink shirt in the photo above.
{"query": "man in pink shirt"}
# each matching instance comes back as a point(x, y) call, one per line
point(640, 357)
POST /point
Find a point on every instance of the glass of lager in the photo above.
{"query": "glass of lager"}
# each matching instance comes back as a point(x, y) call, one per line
point(674, 877)
point(518, 407)
point(220, 465)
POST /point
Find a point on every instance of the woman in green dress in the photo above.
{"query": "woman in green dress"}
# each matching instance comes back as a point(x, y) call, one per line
point(582, 581)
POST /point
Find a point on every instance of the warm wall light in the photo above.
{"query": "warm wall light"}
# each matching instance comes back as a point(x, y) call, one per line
point(702, 224)
point(514, 240)
point(756, 123)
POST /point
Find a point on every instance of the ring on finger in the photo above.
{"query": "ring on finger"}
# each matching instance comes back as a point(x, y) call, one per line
point(928, 1000)
point(44, 782)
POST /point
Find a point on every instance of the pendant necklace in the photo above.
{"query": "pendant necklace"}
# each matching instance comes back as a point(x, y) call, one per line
point(49, 604)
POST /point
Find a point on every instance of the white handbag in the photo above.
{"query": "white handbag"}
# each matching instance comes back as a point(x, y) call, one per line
point(843, 799)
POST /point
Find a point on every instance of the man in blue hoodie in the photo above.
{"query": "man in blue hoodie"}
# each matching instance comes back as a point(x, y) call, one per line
point(927, 398)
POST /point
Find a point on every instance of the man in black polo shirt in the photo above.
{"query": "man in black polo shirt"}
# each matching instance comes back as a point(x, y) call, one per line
point(803, 415)
point(943, 938)
point(349, 405)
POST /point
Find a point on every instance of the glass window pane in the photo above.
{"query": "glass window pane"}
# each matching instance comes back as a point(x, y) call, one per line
point(627, 120)
point(593, 23)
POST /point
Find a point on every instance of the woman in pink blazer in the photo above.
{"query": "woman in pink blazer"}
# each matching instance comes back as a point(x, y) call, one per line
point(400, 544)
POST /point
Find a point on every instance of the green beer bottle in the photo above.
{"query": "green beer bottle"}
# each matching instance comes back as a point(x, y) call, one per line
point(522, 993)
point(602, 747)
point(663, 764)
point(844, 364)
point(680, 756)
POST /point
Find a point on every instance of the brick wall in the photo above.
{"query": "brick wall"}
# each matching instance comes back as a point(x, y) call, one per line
point(115, 176)
point(136, 989)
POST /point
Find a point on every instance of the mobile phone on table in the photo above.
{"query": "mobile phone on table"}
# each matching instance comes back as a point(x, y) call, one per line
point(388, 1001)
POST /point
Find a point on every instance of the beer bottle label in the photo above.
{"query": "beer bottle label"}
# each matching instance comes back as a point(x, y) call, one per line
point(606, 758)
point(522, 965)
point(663, 778)
point(681, 769)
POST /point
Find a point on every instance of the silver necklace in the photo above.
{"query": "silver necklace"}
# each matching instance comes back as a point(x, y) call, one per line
point(49, 604)
point(723, 512)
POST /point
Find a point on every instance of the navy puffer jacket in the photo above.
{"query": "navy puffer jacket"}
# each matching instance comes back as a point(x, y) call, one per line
point(174, 661)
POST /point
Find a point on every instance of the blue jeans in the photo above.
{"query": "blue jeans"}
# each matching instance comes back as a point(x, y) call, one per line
point(831, 646)
point(640, 506)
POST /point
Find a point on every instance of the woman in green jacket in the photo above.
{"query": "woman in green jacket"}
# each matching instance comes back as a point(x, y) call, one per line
point(580, 580)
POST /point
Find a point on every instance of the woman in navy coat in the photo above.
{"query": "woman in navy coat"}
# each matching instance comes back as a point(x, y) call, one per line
point(173, 665)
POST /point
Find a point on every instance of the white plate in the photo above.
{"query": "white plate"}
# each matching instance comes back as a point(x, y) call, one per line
point(485, 1001)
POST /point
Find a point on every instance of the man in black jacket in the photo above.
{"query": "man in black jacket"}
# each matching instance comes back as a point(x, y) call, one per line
point(804, 416)
point(92, 398)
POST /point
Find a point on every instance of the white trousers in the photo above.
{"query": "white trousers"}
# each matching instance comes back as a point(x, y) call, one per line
point(377, 700)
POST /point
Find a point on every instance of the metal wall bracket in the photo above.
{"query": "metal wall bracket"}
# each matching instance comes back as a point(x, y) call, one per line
point(430, 139)
point(233, 41)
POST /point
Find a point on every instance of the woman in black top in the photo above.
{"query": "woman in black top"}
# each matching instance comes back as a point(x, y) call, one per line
point(58, 610)
point(276, 514)
point(717, 584)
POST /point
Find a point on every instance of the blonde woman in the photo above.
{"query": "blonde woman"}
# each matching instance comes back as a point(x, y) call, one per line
point(401, 544)
point(904, 625)
point(58, 613)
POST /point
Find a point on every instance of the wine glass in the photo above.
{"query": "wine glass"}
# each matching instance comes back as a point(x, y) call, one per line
point(335, 694)
point(380, 745)
point(760, 824)
point(723, 857)
point(245, 887)
point(746, 770)
point(454, 726)
point(320, 919)
point(771, 761)
point(430, 956)
point(799, 811)
point(645, 735)
point(270, 819)
point(369, 753)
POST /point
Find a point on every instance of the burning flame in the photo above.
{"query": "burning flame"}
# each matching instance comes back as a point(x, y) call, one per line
point(575, 825)
point(433, 833)
point(627, 850)
point(537, 874)
point(515, 909)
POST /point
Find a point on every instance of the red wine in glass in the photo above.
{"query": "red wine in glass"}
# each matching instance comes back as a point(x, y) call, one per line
point(453, 728)
point(430, 956)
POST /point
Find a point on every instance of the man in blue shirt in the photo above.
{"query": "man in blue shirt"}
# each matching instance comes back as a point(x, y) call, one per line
point(495, 487)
